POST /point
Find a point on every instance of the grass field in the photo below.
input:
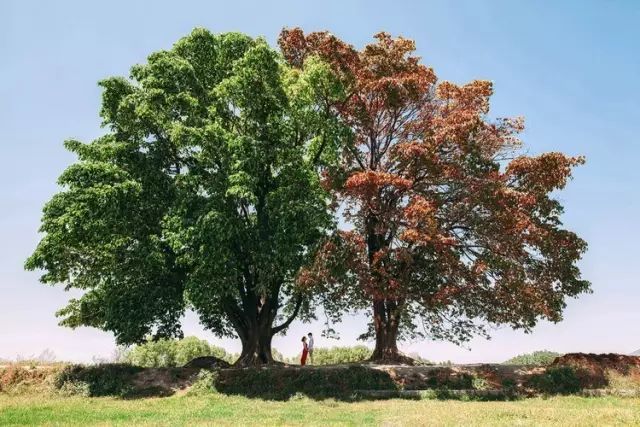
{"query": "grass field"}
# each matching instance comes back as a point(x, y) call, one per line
point(218, 409)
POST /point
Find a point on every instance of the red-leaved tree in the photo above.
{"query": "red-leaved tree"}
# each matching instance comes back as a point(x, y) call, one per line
point(452, 230)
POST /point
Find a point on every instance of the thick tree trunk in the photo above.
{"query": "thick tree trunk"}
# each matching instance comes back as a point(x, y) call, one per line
point(256, 349)
point(386, 323)
point(255, 329)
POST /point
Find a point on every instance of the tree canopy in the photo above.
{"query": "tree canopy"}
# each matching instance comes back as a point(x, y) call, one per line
point(226, 165)
point(203, 193)
point(452, 228)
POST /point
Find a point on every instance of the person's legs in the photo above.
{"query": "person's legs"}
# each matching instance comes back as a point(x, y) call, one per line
point(303, 359)
point(311, 357)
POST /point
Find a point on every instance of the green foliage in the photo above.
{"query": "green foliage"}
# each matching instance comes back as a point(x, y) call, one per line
point(556, 380)
point(283, 383)
point(75, 388)
point(101, 380)
point(204, 192)
point(509, 384)
point(479, 383)
point(337, 355)
point(543, 357)
point(172, 353)
point(205, 383)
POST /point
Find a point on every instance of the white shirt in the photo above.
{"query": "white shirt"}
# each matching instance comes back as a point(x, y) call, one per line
point(310, 344)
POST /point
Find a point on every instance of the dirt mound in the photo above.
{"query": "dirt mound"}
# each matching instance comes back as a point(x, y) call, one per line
point(594, 369)
point(599, 362)
point(208, 362)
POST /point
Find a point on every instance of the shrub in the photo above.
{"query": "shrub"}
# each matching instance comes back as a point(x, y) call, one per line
point(509, 384)
point(336, 355)
point(102, 380)
point(556, 380)
point(446, 378)
point(479, 383)
point(172, 353)
point(75, 388)
point(543, 357)
point(283, 383)
point(205, 383)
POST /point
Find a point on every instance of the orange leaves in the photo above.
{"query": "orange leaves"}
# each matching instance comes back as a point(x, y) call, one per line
point(438, 220)
point(543, 173)
point(371, 182)
point(422, 227)
point(473, 96)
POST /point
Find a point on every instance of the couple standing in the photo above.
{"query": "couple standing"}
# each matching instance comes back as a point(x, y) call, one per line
point(307, 349)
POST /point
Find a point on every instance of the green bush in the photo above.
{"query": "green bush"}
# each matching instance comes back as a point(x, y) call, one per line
point(171, 353)
point(205, 383)
point(101, 380)
point(75, 388)
point(335, 355)
point(556, 380)
point(543, 357)
point(479, 383)
point(285, 382)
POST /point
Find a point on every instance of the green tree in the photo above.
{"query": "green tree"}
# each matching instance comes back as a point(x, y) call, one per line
point(203, 193)
point(170, 352)
point(541, 357)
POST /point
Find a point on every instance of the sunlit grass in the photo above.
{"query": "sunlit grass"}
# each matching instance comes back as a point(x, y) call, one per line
point(229, 410)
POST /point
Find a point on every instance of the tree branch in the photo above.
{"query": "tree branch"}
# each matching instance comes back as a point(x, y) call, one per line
point(286, 324)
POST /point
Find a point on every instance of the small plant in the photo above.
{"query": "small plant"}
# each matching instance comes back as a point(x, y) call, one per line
point(297, 396)
point(75, 388)
point(205, 383)
point(556, 380)
point(479, 383)
point(103, 380)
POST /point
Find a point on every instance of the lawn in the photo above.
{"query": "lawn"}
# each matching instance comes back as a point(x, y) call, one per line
point(219, 409)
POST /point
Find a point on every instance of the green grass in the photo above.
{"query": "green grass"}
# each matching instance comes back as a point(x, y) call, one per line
point(218, 409)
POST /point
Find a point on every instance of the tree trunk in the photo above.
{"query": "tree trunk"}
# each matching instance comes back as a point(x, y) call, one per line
point(256, 349)
point(386, 323)
point(256, 329)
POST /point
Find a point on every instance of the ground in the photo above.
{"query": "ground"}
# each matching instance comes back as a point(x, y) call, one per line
point(218, 409)
point(327, 395)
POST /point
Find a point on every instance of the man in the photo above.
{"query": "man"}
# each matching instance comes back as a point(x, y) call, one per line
point(310, 346)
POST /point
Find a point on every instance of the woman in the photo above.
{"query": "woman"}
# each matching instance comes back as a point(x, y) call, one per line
point(305, 351)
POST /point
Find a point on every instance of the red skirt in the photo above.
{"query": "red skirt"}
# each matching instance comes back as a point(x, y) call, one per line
point(303, 359)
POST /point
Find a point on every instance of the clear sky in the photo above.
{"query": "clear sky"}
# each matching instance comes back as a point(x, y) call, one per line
point(572, 68)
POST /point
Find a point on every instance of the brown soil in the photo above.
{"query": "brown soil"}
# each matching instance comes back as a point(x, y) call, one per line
point(595, 362)
point(593, 369)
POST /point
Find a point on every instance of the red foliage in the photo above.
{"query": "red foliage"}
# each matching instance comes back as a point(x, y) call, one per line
point(445, 215)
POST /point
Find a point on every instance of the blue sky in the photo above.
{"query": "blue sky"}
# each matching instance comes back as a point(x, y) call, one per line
point(571, 68)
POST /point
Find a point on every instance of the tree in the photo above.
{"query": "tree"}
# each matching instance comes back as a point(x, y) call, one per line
point(204, 193)
point(452, 229)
